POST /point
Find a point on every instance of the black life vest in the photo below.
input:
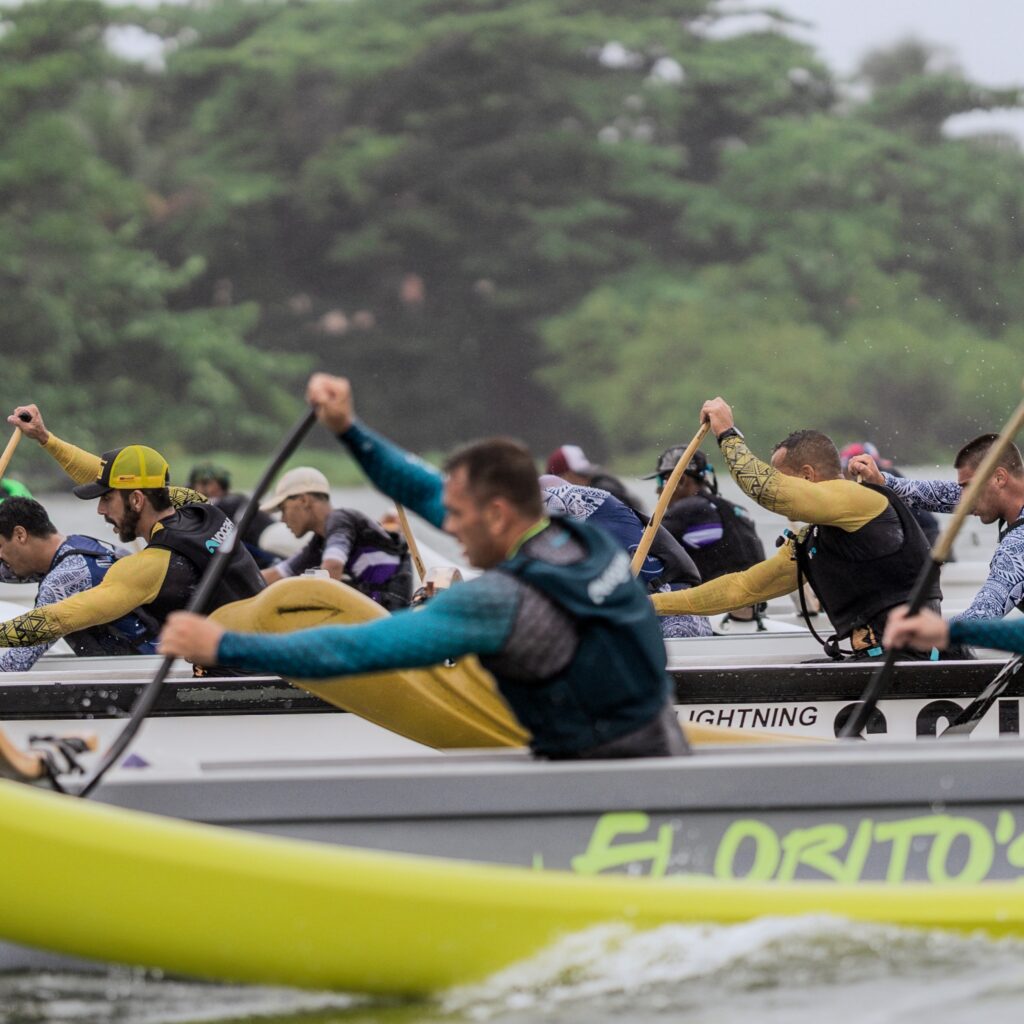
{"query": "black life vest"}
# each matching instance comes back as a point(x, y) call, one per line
point(739, 547)
point(857, 588)
point(193, 535)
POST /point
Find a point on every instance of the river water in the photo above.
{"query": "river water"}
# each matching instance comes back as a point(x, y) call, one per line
point(789, 971)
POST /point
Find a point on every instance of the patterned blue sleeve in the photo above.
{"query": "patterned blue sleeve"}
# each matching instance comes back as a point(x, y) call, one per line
point(1004, 588)
point(470, 618)
point(929, 495)
point(70, 577)
point(622, 523)
point(398, 473)
point(998, 633)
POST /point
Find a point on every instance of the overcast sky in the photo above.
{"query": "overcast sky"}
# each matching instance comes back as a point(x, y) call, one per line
point(985, 37)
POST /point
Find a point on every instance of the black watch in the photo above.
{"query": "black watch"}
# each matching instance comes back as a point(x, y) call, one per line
point(731, 432)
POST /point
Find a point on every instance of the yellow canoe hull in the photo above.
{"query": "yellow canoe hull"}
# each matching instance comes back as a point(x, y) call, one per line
point(447, 707)
point(98, 882)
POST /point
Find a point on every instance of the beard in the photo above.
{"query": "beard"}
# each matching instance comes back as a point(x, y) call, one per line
point(128, 530)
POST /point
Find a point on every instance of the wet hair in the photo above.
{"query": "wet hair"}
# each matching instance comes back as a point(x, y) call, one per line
point(27, 513)
point(973, 452)
point(812, 448)
point(500, 467)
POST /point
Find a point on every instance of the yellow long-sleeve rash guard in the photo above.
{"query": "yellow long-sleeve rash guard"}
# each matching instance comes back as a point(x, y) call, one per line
point(839, 503)
point(130, 582)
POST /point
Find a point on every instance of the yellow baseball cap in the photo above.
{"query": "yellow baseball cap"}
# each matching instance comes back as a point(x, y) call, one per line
point(132, 468)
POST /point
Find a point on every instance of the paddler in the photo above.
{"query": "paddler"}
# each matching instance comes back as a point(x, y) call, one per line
point(346, 543)
point(557, 616)
point(1001, 501)
point(32, 550)
point(214, 483)
point(861, 552)
point(181, 529)
point(667, 567)
point(718, 534)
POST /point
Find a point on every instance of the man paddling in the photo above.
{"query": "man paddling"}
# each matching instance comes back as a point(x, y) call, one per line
point(346, 543)
point(32, 550)
point(182, 531)
point(558, 617)
point(861, 553)
point(1001, 501)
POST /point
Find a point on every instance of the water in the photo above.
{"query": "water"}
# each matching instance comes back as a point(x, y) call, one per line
point(779, 971)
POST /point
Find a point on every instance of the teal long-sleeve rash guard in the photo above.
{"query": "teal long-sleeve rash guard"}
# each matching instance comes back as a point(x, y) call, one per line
point(475, 617)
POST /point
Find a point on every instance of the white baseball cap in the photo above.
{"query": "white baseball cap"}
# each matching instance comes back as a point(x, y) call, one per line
point(300, 480)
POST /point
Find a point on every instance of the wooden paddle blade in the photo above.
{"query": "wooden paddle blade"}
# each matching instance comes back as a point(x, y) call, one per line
point(965, 723)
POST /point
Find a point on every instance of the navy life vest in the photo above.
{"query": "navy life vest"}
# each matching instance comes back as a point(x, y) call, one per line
point(193, 535)
point(859, 576)
point(617, 681)
point(130, 634)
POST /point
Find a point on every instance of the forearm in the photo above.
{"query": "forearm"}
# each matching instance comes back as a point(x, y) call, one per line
point(928, 495)
point(449, 626)
point(399, 474)
point(999, 633)
point(839, 503)
point(21, 659)
point(83, 467)
point(762, 582)
point(129, 583)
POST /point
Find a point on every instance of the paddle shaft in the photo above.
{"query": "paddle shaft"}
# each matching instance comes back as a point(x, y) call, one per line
point(939, 554)
point(5, 459)
point(414, 550)
point(647, 539)
point(200, 598)
point(964, 723)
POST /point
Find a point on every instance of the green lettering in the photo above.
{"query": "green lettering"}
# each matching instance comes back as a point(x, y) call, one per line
point(603, 854)
point(901, 834)
point(980, 853)
point(1005, 827)
point(766, 850)
point(814, 848)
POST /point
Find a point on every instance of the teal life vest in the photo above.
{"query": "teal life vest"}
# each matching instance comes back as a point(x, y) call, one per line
point(617, 680)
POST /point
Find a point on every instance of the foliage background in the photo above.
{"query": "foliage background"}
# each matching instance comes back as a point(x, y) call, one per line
point(569, 220)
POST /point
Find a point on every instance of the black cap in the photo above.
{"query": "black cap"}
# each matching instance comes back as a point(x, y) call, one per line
point(669, 459)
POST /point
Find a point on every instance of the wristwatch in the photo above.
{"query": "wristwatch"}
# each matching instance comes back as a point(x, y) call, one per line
point(730, 432)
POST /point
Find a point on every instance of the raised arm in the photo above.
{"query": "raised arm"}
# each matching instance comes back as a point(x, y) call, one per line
point(399, 474)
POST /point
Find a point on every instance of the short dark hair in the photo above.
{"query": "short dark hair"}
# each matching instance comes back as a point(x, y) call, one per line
point(500, 467)
point(973, 452)
point(27, 513)
point(812, 448)
point(158, 497)
point(210, 471)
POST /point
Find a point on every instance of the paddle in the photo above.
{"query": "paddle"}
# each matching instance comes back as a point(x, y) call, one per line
point(211, 578)
point(5, 459)
point(414, 550)
point(965, 722)
point(939, 554)
point(647, 539)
